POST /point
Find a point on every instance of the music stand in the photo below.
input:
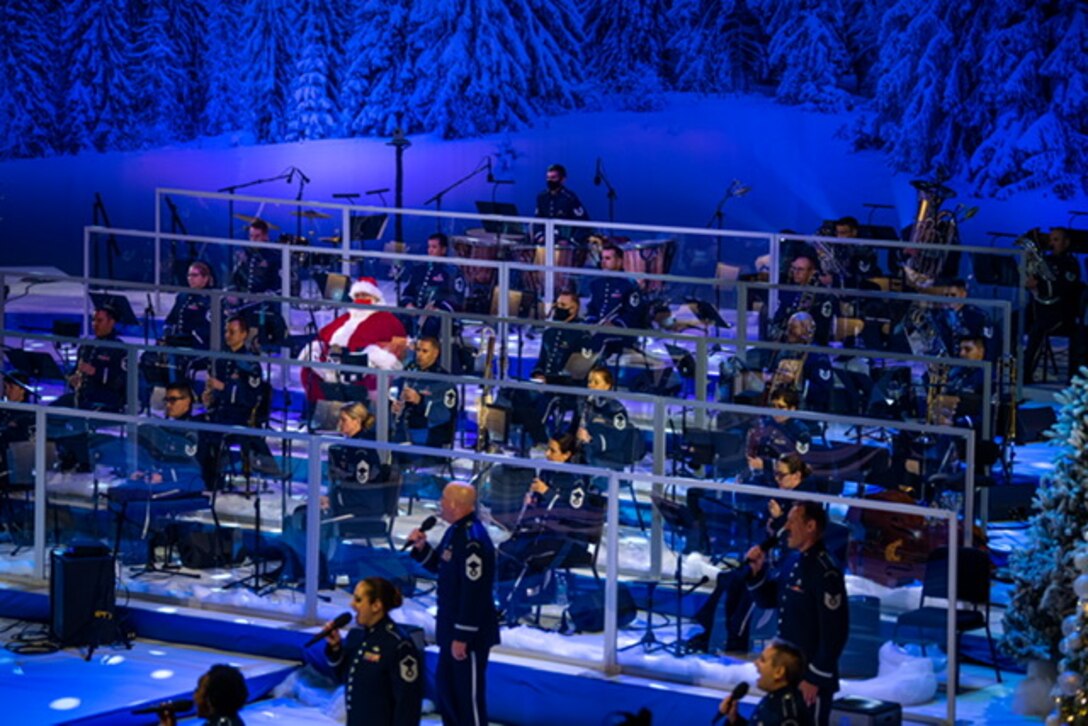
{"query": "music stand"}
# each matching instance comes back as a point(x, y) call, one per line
point(678, 516)
point(118, 304)
point(368, 227)
point(706, 313)
point(995, 270)
point(36, 364)
point(502, 209)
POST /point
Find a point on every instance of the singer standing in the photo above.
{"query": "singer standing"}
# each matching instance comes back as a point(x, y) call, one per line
point(780, 666)
point(558, 202)
point(810, 595)
point(467, 625)
point(379, 663)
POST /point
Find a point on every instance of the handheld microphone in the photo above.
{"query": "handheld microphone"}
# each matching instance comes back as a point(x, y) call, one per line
point(341, 620)
point(739, 692)
point(426, 526)
point(181, 705)
point(768, 544)
point(597, 174)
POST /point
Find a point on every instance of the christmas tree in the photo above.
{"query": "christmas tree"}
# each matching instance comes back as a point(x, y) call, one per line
point(1048, 616)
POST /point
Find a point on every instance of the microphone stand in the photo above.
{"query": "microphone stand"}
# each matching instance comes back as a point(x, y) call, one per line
point(399, 143)
point(177, 225)
point(437, 198)
point(611, 194)
point(235, 187)
point(112, 250)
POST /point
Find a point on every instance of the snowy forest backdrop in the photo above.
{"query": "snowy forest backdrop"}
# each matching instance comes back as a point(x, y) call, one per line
point(993, 88)
point(993, 91)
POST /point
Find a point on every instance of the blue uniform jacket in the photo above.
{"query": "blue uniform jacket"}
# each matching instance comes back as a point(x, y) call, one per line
point(614, 300)
point(435, 283)
point(236, 403)
point(188, 324)
point(810, 594)
point(105, 389)
point(257, 270)
point(556, 348)
point(436, 411)
point(784, 707)
point(383, 671)
point(352, 466)
point(465, 563)
point(606, 421)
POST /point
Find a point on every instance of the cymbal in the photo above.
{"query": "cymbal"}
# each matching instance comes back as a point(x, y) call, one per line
point(312, 214)
point(250, 220)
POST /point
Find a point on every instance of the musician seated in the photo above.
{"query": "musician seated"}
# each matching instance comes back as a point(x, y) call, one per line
point(235, 389)
point(772, 437)
point(605, 433)
point(965, 385)
point(858, 261)
point(256, 270)
point(613, 301)
point(1056, 296)
point(810, 374)
point(558, 346)
point(365, 329)
point(171, 456)
point(352, 466)
point(436, 285)
point(539, 536)
point(100, 381)
point(959, 319)
point(820, 307)
point(424, 411)
point(791, 473)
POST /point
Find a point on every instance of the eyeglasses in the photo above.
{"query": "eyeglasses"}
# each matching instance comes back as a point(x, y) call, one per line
point(782, 474)
point(175, 399)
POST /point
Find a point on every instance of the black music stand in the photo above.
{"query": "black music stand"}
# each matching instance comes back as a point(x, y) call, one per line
point(679, 517)
point(501, 209)
point(118, 304)
point(36, 364)
point(995, 270)
point(540, 559)
point(368, 226)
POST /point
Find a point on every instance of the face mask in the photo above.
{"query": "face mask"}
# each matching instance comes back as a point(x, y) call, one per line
point(560, 314)
point(553, 185)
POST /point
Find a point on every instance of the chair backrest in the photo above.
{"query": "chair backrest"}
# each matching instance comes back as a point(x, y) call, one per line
point(973, 576)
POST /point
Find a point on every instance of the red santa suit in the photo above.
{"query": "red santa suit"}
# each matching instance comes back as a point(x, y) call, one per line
point(363, 330)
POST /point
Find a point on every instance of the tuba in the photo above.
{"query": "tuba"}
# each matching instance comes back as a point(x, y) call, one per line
point(1035, 265)
point(932, 226)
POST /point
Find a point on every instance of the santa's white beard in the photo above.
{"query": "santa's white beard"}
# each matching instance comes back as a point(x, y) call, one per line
point(342, 336)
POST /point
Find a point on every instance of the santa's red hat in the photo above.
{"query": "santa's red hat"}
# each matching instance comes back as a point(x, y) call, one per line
point(367, 286)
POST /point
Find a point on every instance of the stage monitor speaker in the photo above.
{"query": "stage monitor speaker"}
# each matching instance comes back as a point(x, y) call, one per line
point(81, 590)
point(586, 610)
point(858, 711)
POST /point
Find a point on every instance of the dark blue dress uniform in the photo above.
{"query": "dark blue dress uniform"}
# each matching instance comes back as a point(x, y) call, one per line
point(968, 320)
point(563, 204)
point(615, 301)
point(237, 403)
point(436, 284)
point(257, 270)
point(557, 346)
point(810, 594)
point(610, 431)
point(822, 308)
point(817, 379)
point(383, 671)
point(432, 421)
point(465, 563)
point(770, 439)
point(105, 389)
point(354, 465)
point(784, 707)
point(188, 324)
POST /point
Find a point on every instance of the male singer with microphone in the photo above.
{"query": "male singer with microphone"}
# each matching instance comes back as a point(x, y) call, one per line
point(781, 666)
point(467, 625)
point(219, 696)
point(810, 594)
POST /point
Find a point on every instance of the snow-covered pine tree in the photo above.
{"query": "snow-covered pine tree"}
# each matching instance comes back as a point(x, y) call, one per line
point(1066, 72)
point(163, 68)
point(860, 33)
point(627, 50)
point(28, 78)
point(1043, 571)
point(267, 65)
point(227, 108)
point(379, 79)
point(100, 101)
point(717, 47)
point(311, 103)
point(555, 51)
point(473, 59)
point(809, 58)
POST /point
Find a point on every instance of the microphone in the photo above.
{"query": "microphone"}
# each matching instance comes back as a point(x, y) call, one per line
point(739, 692)
point(426, 526)
point(597, 174)
point(290, 175)
point(181, 705)
point(377, 191)
point(490, 172)
point(341, 620)
point(346, 195)
point(768, 544)
point(304, 178)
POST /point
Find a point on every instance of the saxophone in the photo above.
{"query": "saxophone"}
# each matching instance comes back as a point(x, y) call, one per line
point(1035, 266)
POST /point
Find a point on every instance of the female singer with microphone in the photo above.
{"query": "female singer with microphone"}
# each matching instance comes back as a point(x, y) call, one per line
point(379, 663)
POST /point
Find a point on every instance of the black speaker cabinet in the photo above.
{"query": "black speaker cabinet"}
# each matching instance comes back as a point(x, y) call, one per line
point(857, 711)
point(81, 592)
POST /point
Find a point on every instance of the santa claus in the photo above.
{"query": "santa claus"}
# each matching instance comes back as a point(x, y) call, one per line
point(377, 333)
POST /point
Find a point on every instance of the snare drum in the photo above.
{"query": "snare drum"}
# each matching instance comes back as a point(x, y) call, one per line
point(649, 257)
point(477, 248)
